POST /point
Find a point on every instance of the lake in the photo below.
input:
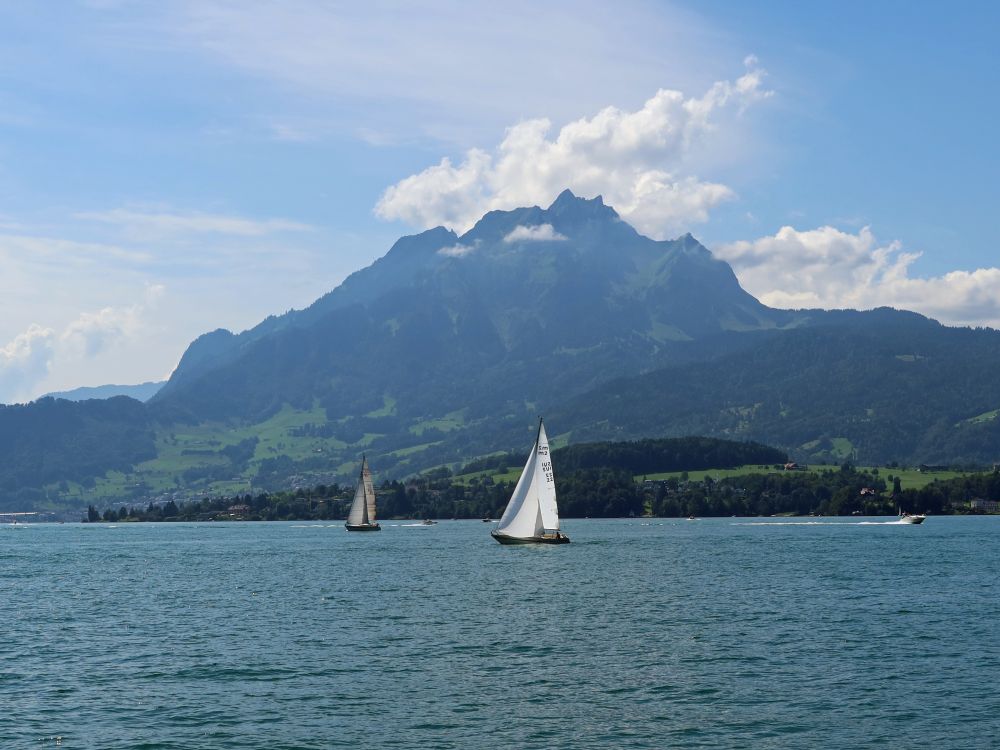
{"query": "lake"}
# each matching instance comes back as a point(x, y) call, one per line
point(651, 633)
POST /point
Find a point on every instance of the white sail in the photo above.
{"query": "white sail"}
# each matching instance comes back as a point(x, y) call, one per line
point(363, 507)
point(522, 517)
point(545, 482)
point(366, 475)
point(532, 508)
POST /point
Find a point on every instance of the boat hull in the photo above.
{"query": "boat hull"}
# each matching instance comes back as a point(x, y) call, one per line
point(912, 519)
point(363, 527)
point(548, 539)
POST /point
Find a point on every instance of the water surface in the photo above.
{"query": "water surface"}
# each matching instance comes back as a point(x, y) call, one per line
point(723, 633)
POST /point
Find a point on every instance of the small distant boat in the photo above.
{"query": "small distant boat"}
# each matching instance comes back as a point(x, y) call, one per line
point(532, 516)
point(427, 522)
point(912, 518)
point(362, 515)
point(487, 519)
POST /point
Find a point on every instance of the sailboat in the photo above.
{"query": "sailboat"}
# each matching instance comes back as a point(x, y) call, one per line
point(531, 516)
point(362, 515)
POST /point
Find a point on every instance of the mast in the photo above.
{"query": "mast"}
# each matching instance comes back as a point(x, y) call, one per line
point(361, 483)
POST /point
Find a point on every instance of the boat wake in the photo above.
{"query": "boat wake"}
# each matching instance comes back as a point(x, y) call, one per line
point(822, 523)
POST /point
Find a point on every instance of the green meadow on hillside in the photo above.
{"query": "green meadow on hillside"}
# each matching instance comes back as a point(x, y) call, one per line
point(909, 478)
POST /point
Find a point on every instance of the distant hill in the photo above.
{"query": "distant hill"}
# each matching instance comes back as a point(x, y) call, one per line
point(875, 387)
point(450, 346)
point(140, 392)
point(647, 456)
point(49, 443)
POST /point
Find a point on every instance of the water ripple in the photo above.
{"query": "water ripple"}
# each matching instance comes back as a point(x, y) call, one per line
point(638, 635)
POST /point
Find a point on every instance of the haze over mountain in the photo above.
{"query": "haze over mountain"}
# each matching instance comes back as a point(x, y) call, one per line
point(140, 392)
point(449, 346)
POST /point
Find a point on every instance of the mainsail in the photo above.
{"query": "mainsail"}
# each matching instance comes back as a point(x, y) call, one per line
point(363, 507)
point(532, 509)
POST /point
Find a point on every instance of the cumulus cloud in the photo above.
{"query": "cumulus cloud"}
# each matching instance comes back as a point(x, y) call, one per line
point(636, 160)
point(456, 251)
point(29, 357)
point(25, 360)
point(830, 268)
point(93, 332)
point(538, 233)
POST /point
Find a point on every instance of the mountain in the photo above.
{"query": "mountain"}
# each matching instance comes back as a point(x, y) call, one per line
point(449, 346)
point(876, 387)
point(528, 305)
point(48, 444)
point(140, 392)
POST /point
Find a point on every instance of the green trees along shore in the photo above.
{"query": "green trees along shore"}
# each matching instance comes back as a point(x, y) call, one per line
point(597, 493)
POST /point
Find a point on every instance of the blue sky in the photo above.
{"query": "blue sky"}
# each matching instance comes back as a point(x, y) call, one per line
point(173, 167)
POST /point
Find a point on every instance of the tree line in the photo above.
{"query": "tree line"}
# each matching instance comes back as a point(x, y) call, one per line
point(595, 493)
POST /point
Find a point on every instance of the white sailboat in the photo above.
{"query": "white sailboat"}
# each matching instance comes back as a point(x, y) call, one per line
point(532, 516)
point(362, 515)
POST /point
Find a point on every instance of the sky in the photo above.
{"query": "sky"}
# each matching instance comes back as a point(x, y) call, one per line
point(168, 168)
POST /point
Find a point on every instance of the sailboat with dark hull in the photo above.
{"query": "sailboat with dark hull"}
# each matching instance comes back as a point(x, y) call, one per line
point(362, 514)
point(532, 516)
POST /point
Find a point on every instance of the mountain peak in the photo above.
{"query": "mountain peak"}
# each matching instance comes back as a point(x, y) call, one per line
point(565, 197)
point(569, 204)
point(425, 242)
point(690, 245)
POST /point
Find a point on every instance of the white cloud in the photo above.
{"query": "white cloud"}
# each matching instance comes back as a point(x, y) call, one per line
point(161, 224)
point(24, 361)
point(87, 288)
point(830, 268)
point(91, 333)
point(634, 159)
point(30, 356)
point(456, 251)
point(68, 255)
point(332, 61)
point(538, 233)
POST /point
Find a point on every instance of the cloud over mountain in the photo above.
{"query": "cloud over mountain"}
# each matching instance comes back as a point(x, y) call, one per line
point(538, 233)
point(92, 332)
point(830, 268)
point(457, 250)
point(637, 160)
point(27, 359)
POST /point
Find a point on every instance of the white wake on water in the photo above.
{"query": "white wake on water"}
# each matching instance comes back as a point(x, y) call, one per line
point(822, 523)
